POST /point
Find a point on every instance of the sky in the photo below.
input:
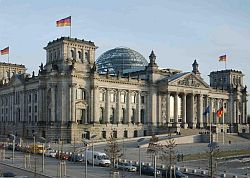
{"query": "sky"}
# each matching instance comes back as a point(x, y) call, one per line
point(179, 31)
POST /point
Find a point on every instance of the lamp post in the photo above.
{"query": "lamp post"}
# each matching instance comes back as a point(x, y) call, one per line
point(85, 141)
point(13, 147)
point(44, 141)
point(92, 139)
point(139, 146)
point(34, 150)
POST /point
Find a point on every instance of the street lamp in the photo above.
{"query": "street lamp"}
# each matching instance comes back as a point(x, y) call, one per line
point(85, 155)
point(139, 146)
point(13, 147)
point(85, 141)
point(92, 139)
point(44, 141)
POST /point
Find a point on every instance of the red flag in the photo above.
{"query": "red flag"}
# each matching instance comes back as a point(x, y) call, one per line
point(5, 51)
point(64, 22)
point(223, 58)
point(220, 112)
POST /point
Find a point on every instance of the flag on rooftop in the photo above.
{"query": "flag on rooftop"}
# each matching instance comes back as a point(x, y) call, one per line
point(64, 22)
point(223, 58)
point(5, 51)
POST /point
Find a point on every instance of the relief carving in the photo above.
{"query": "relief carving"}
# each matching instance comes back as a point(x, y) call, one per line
point(189, 81)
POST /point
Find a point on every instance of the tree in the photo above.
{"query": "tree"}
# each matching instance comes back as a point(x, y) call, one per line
point(153, 146)
point(113, 150)
point(213, 153)
point(168, 155)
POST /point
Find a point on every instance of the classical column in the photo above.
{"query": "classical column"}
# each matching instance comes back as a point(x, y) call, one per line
point(138, 117)
point(235, 112)
point(200, 111)
point(118, 107)
point(192, 124)
point(52, 103)
point(73, 103)
point(245, 111)
point(176, 109)
point(96, 106)
point(128, 119)
point(206, 117)
point(184, 113)
point(168, 109)
point(107, 108)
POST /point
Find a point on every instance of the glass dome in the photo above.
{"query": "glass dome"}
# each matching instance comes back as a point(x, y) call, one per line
point(121, 59)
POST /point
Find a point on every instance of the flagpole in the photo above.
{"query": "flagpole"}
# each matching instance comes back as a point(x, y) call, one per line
point(70, 27)
point(223, 121)
point(70, 31)
point(210, 128)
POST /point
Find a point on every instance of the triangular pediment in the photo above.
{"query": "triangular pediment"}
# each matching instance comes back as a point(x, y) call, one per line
point(188, 80)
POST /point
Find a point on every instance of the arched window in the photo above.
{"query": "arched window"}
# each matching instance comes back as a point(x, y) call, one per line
point(50, 56)
point(133, 116)
point(79, 55)
point(72, 54)
point(58, 54)
point(101, 119)
point(86, 56)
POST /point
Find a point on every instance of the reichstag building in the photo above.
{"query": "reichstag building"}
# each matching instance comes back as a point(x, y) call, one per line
point(121, 93)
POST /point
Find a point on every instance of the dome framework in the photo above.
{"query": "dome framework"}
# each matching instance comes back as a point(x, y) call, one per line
point(118, 60)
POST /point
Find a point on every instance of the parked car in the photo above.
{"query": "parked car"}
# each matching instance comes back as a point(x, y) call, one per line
point(75, 158)
point(178, 174)
point(126, 166)
point(8, 174)
point(50, 153)
point(62, 156)
point(149, 170)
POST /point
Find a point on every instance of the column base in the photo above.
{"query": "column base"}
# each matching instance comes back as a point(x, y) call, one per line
point(192, 125)
point(177, 125)
point(169, 124)
point(200, 125)
point(185, 126)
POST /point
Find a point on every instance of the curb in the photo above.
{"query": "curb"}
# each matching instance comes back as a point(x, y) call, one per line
point(6, 164)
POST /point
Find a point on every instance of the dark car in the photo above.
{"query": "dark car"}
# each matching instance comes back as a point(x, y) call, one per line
point(178, 174)
point(75, 158)
point(149, 170)
point(8, 174)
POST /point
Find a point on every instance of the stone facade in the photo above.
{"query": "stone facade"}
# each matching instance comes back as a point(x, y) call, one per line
point(70, 100)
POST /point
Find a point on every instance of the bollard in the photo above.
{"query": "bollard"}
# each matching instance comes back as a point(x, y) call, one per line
point(194, 171)
point(203, 172)
point(163, 166)
point(149, 164)
point(185, 169)
point(223, 175)
point(178, 168)
point(235, 176)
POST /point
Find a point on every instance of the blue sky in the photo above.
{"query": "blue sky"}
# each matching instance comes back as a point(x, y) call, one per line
point(179, 31)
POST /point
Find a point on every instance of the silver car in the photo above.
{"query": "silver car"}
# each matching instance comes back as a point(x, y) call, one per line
point(127, 167)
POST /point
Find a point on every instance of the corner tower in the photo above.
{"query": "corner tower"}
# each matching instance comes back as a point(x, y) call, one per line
point(64, 53)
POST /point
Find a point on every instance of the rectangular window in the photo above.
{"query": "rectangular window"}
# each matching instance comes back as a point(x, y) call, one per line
point(123, 98)
point(35, 97)
point(35, 108)
point(29, 98)
point(142, 99)
point(112, 97)
point(29, 109)
point(102, 96)
point(133, 98)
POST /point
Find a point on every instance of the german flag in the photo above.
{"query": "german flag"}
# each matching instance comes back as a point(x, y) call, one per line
point(64, 22)
point(5, 51)
point(220, 112)
point(223, 58)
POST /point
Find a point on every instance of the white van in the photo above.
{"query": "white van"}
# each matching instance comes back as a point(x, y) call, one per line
point(100, 159)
